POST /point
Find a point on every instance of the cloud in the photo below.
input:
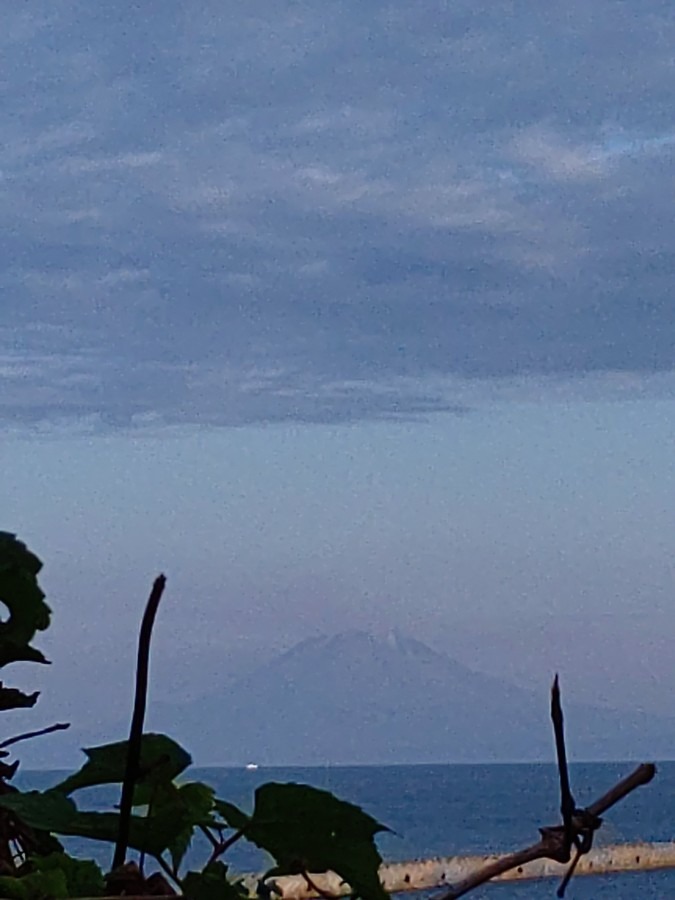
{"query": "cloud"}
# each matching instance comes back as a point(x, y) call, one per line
point(235, 215)
point(558, 159)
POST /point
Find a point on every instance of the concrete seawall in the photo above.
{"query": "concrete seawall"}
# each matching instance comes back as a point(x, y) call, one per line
point(426, 874)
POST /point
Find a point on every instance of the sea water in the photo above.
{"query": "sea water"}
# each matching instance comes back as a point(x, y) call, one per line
point(444, 810)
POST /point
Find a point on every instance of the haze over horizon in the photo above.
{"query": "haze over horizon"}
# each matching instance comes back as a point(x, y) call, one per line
point(357, 699)
point(349, 317)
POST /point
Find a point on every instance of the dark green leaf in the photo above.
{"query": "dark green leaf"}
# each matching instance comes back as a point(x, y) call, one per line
point(55, 877)
point(21, 594)
point(48, 811)
point(53, 811)
point(192, 804)
point(13, 888)
point(161, 760)
point(231, 814)
point(212, 884)
point(50, 885)
point(83, 877)
point(198, 800)
point(306, 829)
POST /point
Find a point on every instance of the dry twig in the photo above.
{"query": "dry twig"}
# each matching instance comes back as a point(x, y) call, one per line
point(578, 826)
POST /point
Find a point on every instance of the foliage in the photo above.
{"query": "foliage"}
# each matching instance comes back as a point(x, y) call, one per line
point(28, 613)
point(24, 599)
point(56, 875)
point(309, 830)
point(303, 829)
point(162, 760)
point(53, 811)
point(212, 883)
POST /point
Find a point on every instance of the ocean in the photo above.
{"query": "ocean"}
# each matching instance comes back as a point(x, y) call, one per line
point(443, 810)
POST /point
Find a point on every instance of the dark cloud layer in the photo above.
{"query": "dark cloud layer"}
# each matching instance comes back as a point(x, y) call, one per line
point(235, 213)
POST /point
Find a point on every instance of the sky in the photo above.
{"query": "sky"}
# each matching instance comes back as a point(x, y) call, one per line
point(345, 315)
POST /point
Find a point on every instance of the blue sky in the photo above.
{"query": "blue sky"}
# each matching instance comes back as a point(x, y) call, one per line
point(356, 314)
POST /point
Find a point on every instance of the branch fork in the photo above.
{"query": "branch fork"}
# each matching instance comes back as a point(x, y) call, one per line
point(578, 825)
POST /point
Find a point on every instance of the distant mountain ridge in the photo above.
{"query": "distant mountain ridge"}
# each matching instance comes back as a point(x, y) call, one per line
point(353, 698)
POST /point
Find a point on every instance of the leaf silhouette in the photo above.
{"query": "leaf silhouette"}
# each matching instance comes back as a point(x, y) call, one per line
point(310, 830)
point(162, 759)
point(23, 597)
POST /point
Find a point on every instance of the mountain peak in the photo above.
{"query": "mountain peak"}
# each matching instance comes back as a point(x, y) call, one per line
point(352, 697)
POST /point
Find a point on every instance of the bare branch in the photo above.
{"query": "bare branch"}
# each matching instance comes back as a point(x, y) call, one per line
point(560, 893)
point(567, 804)
point(137, 719)
point(553, 844)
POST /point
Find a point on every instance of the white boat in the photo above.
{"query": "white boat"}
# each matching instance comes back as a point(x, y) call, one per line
point(252, 766)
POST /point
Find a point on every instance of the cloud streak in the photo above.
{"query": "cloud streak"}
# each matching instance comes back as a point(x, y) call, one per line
point(242, 215)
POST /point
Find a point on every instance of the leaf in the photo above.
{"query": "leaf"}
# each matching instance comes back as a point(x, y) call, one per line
point(191, 803)
point(54, 811)
point(11, 698)
point(56, 876)
point(161, 760)
point(50, 885)
point(23, 597)
point(48, 810)
point(306, 829)
point(212, 884)
point(13, 888)
point(83, 876)
point(7, 770)
point(231, 814)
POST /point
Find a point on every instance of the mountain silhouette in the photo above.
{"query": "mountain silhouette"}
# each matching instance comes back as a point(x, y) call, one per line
point(354, 698)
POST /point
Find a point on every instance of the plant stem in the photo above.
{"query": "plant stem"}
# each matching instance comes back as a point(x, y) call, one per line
point(222, 846)
point(168, 871)
point(213, 840)
point(137, 719)
point(567, 804)
point(59, 726)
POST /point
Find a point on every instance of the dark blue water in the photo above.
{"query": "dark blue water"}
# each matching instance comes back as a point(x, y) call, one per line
point(444, 810)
